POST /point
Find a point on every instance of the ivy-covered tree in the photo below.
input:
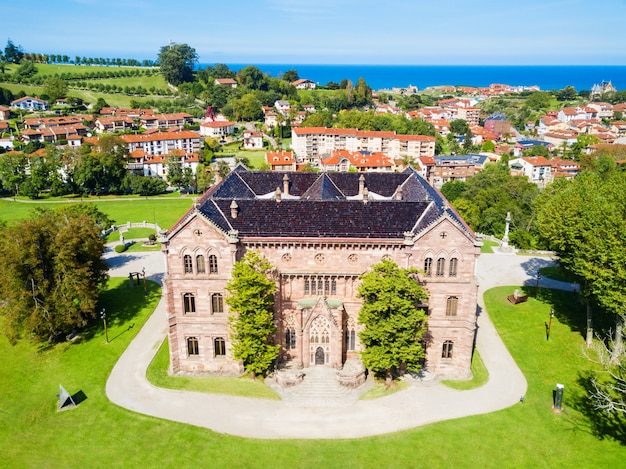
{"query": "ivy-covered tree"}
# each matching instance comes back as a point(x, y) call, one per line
point(251, 303)
point(393, 322)
point(52, 270)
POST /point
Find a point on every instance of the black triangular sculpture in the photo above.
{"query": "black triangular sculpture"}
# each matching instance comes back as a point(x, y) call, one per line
point(65, 400)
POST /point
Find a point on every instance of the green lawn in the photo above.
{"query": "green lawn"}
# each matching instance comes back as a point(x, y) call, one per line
point(165, 211)
point(479, 372)
point(487, 247)
point(556, 273)
point(98, 433)
point(157, 375)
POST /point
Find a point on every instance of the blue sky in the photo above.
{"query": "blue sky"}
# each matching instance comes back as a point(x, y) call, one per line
point(326, 31)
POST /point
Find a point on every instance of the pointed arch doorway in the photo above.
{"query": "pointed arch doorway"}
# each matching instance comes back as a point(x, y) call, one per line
point(319, 356)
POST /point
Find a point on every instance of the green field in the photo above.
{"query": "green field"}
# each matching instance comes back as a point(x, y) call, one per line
point(119, 100)
point(88, 96)
point(164, 210)
point(98, 433)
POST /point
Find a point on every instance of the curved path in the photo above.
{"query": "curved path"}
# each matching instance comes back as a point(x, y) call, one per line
point(420, 404)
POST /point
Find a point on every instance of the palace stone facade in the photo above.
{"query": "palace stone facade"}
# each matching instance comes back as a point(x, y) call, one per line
point(320, 231)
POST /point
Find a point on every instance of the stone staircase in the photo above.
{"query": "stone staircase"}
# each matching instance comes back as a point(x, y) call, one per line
point(319, 388)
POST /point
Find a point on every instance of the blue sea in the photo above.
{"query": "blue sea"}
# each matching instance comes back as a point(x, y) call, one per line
point(547, 77)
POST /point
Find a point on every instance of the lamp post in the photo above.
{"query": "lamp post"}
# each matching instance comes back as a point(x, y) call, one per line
point(550, 324)
point(103, 316)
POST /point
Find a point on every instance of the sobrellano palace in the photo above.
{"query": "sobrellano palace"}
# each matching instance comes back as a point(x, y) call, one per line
point(320, 232)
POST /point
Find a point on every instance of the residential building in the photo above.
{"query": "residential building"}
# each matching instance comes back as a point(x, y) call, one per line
point(359, 161)
point(304, 84)
point(522, 145)
point(252, 140)
point(536, 168)
point(114, 123)
point(162, 143)
point(281, 160)
point(5, 113)
point(310, 142)
point(455, 168)
point(30, 104)
point(498, 124)
point(165, 121)
point(217, 129)
point(230, 82)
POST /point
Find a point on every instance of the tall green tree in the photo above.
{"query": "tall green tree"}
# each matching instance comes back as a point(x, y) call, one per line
point(12, 53)
point(13, 171)
point(55, 88)
point(52, 270)
point(393, 324)
point(291, 76)
point(584, 221)
point(174, 171)
point(252, 77)
point(247, 108)
point(251, 303)
point(176, 62)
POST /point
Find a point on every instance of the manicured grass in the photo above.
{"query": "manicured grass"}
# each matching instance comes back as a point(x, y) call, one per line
point(165, 211)
point(556, 273)
point(133, 233)
point(98, 433)
point(157, 375)
point(480, 375)
point(487, 246)
point(141, 247)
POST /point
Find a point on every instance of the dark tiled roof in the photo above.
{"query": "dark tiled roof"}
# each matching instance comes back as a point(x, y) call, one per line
point(318, 206)
point(323, 189)
point(323, 219)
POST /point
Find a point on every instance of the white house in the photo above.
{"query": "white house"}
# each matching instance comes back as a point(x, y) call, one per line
point(304, 84)
point(537, 169)
point(252, 140)
point(217, 129)
point(30, 103)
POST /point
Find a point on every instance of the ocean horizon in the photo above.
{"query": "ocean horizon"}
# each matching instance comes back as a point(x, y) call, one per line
point(546, 77)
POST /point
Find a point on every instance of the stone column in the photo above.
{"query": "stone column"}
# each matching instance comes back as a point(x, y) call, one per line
point(505, 240)
point(300, 339)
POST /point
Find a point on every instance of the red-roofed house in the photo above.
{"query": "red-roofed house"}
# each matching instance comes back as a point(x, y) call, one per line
point(29, 103)
point(5, 113)
point(281, 160)
point(573, 113)
point(162, 143)
point(536, 168)
point(252, 140)
point(304, 84)
point(309, 142)
point(217, 129)
point(226, 82)
point(364, 161)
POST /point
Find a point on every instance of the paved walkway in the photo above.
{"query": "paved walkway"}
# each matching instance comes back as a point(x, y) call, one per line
point(420, 404)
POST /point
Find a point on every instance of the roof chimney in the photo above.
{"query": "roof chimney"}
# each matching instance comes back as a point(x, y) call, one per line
point(366, 195)
point(399, 193)
point(286, 184)
point(234, 209)
point(278, 195)
point(361, 184)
